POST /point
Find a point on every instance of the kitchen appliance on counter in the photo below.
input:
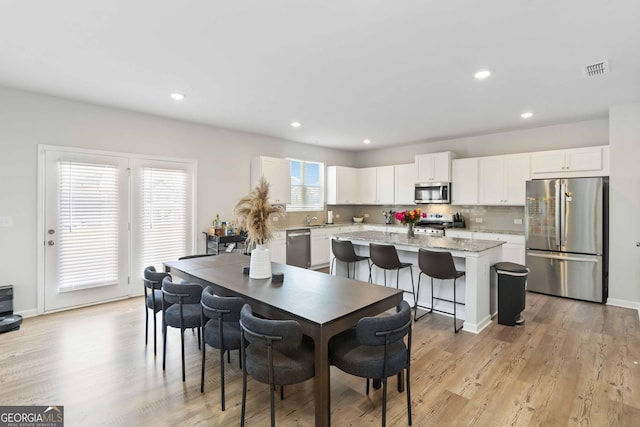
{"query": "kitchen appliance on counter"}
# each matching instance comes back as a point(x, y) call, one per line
point(566, 232)
point(432, 192)
point(434, 224)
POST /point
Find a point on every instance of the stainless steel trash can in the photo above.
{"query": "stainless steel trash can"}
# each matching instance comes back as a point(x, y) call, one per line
point(512, 286)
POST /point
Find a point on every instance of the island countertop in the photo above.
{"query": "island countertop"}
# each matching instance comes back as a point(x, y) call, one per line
point(420, 241)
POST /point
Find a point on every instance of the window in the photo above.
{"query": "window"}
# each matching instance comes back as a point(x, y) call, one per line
point(307, 186)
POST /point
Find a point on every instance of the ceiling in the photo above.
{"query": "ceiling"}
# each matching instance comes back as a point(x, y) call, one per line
point(394, 72)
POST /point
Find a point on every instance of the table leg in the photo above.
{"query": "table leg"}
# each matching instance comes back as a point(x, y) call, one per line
point(322, 382)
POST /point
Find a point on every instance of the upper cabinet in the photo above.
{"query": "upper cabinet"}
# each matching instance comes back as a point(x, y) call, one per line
point(342, 185)
point(405, 181)
point(434, 167)
point(576, 162)
point(277, 172)
point(502, 179)
point(464, 181)
point(376, 185)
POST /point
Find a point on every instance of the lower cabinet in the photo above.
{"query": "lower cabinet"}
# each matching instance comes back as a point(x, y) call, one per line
point(320, 246)
point(278, 247)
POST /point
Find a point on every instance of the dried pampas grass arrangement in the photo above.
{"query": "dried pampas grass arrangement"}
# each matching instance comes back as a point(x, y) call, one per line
point(252, 214)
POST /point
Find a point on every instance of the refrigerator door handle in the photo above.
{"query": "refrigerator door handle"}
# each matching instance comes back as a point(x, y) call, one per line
point(557, 215)
point(563, 208)
point(562, 258)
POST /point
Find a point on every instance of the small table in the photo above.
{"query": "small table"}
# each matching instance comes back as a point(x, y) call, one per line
point(215, 244)
point(324, 305)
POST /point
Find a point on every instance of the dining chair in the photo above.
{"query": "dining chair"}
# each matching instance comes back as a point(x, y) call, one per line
point(184, 312)
point(152, 301)
point(343, 251)
point(386, 258)
point(273, 352)
point(375, 348)
point(439, 265)
point(221, 330)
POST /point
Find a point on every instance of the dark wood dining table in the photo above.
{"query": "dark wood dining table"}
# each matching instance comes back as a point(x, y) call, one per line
point(324, 305)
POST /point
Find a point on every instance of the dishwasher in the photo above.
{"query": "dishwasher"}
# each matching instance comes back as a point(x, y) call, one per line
point(299, 247)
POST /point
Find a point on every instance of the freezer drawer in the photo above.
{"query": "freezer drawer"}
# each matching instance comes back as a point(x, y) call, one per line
point(565, 274)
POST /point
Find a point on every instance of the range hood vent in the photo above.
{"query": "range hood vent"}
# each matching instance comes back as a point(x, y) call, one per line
point(596, 69)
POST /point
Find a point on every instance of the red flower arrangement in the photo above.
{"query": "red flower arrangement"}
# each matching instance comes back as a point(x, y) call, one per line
point(409, 217)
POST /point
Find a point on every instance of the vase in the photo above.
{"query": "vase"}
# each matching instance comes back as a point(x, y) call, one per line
point(410, 232)
point(260, 265)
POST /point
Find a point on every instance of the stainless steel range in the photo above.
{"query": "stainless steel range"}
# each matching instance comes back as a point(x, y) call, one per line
point(434, 224)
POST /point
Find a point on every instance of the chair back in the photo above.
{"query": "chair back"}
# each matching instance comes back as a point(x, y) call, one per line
point(153, 279)
point(226, 309)
point(436, 264)
point(384, 256)
point(180, 293)
point(281, 335)
point(376, 331)
point(343, 250)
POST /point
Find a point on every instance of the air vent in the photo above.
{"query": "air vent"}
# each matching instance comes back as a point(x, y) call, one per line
point(596, 69)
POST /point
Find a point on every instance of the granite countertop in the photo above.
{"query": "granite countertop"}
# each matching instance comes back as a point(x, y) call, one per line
point(419, 241)
point(494, 231)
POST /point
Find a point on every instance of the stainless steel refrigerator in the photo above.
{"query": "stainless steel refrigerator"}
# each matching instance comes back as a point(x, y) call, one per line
point(567, 237)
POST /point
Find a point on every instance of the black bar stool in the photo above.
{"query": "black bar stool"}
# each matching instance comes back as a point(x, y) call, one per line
point(386, 258)
point(438, 265)
point(343, 251)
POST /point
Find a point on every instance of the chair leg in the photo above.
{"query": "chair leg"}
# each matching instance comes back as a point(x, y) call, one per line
point(431, 311)
point(221, 378)
point(244, 395)
point(384, 402)
point(281, 392)
point(202, 370)
point(333, 261)
point(228, 356)
point(348, 270)
point(155, 345)
point(370, 268)
point(164, 345)
point(146, 324)
point(273, 404)
point(415, 315)
point(408, 395)
point(413, 287)
point(456, 329)
point(367, 391)
point(182, 344)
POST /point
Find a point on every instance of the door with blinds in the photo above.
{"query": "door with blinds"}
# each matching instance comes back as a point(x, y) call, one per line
point(86, 223)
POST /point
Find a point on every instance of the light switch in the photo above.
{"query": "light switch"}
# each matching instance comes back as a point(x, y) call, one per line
point(6, 221)
point(517, 221)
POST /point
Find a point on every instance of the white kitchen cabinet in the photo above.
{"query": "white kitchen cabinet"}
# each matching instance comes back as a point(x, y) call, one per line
point(464, 181)
point(277, 172)
point(405, 182)
point(342, 185)
point(434, 167)
point(376, 185)
point(502, 179)
point(512, 251)
point(320, 247)
point(576, 162)
point(278, 247)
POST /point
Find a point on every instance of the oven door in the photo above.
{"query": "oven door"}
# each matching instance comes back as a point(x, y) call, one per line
point(433, 192)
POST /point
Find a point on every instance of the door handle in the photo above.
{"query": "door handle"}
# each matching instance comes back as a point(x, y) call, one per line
point(563, 258)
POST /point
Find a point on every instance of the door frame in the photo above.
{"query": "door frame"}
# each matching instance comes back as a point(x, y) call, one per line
point(41, 214)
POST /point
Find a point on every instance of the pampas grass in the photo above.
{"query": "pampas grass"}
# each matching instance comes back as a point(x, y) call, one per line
point(252, 214)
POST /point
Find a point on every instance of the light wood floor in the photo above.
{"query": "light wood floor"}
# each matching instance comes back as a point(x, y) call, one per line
point(573, 363)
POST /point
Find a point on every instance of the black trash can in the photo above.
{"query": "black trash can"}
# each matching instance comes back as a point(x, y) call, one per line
point(512, 279)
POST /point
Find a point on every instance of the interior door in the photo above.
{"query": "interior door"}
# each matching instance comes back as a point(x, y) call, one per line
point(86, 228)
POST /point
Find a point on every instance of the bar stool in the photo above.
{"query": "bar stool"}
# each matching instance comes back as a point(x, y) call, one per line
point(438, 265)
point(343, 251)
point(386, 258)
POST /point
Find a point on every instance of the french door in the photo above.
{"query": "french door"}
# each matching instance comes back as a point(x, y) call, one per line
point(106, 217)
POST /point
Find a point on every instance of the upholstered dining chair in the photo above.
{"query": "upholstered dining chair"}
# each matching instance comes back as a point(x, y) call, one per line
point(343, 251)
point(152, 301)
point(439, 265)
point(375, 348)
point(184, 312)
point(274, 352)
point(221, 329)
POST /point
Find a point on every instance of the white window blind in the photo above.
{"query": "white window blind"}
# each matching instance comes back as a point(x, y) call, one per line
point(88, 227)
point(307, 186)
point(164, 215)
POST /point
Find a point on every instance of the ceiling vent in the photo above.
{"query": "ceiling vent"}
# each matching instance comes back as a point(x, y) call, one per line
point(596, 69)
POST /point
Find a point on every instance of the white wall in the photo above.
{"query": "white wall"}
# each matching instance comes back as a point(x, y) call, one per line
point(578, 134)
point(28, 119)
point(624, 277)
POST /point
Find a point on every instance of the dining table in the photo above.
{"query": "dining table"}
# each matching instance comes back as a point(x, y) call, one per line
point(323, 304)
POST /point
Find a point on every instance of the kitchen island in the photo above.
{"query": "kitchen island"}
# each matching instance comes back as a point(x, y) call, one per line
point(475, 257)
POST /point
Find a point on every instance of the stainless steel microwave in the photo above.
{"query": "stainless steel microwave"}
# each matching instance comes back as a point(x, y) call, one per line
point(432, 192)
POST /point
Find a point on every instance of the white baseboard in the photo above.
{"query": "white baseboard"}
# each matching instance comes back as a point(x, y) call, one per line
point(624, 304)
point(27, 313)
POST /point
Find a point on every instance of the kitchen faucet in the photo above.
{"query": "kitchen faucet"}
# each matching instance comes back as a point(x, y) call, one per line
point(310, 218)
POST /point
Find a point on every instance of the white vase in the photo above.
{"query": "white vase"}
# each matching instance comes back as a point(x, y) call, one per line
point(260, 266)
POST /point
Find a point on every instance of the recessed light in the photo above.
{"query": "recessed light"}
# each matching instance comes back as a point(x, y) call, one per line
point(482, 74)
point(366, 141)
point(526, 115)
point(296, 124)
point(176, 96)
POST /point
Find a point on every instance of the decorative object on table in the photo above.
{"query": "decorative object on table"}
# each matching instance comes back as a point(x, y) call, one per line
point(388, 216)
point(409, 217)
point(252, 214)
point(358, 219)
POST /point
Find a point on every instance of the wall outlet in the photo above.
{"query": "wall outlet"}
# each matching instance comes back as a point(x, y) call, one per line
point(478, 220)
point(6, 221)
point(517, 221)
point(366, 215)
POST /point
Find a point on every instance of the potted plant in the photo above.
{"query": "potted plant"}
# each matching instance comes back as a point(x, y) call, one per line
point(252, 214)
